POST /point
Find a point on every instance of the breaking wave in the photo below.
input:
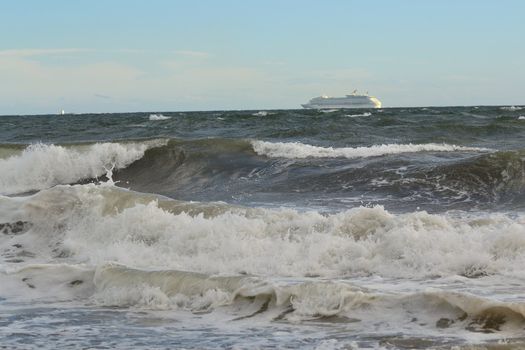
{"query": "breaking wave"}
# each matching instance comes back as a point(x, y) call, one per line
point(104, 223)
point(262, 114)
point(117, 285)
point(41, 166)
point(221, 169)
point(301, 150)
point(366, 114)
point(158, 117)
point(511, 108)
point(119, 248)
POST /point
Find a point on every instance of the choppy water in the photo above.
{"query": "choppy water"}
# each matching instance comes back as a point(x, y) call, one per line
point(393, 228)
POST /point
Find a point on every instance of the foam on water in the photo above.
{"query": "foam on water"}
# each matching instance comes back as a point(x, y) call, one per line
point(366, 114)
point(41, 166)
point(244, 297)
point(512, 108)
point(99, 224)
point(301, 150)
point(105, 246)
point(158, 117)
point(262, 114)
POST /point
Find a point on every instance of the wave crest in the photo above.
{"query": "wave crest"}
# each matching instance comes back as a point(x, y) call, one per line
point(41, 166)
point(300, 150)
point(108, 224)
point(158, 117)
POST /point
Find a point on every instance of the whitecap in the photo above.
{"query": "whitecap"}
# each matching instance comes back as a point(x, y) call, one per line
point(511, 108)
point(41, 166)
point(366, 114)
point(158, 117)
point(262, 114)
point(100, 224)
point(300, 150)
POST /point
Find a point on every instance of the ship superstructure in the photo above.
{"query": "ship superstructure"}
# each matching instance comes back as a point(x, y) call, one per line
point(354, 100)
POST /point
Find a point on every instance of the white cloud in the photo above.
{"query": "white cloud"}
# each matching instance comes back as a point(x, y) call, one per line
point(178, 84)
point(41, 52)
point(190, 53)
point(36, 87)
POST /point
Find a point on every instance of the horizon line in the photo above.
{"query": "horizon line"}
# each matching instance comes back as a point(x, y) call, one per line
point(253, 109)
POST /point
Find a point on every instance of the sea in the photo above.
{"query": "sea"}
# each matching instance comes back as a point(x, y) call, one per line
point(393, 228)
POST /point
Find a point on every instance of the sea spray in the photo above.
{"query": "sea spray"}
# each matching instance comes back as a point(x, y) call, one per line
point(41, 166)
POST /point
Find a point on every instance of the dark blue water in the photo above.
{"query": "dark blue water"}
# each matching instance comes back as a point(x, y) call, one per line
point(210, 156)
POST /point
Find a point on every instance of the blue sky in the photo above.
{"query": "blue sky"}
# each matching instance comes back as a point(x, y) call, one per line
point(111, 56)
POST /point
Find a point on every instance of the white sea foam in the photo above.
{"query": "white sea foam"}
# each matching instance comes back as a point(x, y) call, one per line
point(521, 117)
point(41, 166)
point(115, 247)
point(301, 150)
point(366, 114)
point(262, 114)
point(158, 117)
point(98, 224)
point(512, 108)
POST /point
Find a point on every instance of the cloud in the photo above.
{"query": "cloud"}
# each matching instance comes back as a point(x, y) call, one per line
point(274, 63)
point(32, 52)
point(41, 52)
point(190, 53)
point(173, 80)
point(106, 97)
point(45, 86)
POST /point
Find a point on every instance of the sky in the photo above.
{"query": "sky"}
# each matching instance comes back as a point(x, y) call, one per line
point(170, 55)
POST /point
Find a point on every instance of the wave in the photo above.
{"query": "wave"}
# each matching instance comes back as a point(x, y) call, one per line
point(366, 114)
point(496, 174)
point(158, 117)
point(94, 224)
point(512, 108)
point(119, 285)
point(113, 247)
point(243, 297)
point(226, 169)
point(262, 114)
point(9, 150)
point(41, 166)
point(301, 150)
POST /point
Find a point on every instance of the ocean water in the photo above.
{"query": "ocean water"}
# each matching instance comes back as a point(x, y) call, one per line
point(343, 229)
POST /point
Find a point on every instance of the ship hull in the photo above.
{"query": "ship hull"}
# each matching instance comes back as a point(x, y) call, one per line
point(348, 102)
point(310, 106)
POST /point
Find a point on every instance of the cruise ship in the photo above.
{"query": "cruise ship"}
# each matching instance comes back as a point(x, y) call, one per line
point(355, 100)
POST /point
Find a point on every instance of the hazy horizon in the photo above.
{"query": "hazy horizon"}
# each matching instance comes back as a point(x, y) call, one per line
point(239, 110)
